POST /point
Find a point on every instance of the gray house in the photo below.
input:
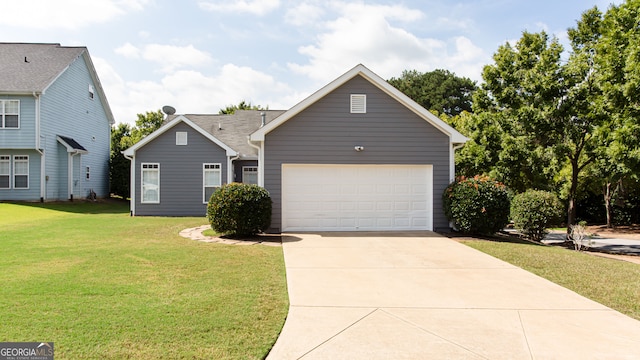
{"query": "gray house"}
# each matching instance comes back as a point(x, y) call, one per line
point(356, 155)
point(55, 124)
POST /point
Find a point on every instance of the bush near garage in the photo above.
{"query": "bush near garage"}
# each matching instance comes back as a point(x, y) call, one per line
point(533, 211)
point(477, 205)
point(239, 209)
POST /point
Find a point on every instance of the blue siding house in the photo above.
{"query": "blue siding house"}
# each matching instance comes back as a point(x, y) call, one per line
point(55, 124)
point(357, 155)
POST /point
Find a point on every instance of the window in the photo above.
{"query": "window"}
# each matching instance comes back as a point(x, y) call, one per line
point(21, 172)
point(250, 175)
point(91, 92)
point(358, 103)
point(181, 138)
point(88, 173)
point(5, 171)
point(150, 183)
point(211, 180)
point(10, 114)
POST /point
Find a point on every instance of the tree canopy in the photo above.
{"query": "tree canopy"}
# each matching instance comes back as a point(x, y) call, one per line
point(440, 90)
point(242, 105)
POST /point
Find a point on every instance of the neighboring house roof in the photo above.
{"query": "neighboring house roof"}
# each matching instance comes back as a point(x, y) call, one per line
point(170, 124)
point(31, 68)
point(234, 129)
point(361, 70)
point(71, 145)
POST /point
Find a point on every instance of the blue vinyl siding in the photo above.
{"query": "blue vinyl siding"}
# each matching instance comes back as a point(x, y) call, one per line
point(33, 192)
point(25, 136)
point(67, 110)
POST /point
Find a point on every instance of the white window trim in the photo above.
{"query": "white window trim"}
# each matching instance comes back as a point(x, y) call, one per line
point(16, 174)
point(204, 177)
point(6, 159)
point(91, 92)
point(256, 170)
point(181, 138)
point(2, 114)
point(156, 167)
point(358, 103)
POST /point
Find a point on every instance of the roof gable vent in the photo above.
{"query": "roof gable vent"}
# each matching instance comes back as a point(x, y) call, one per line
point(358, 103)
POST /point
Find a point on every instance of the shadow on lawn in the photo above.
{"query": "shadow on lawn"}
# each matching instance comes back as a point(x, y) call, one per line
point(498, 237)
point(81, 206)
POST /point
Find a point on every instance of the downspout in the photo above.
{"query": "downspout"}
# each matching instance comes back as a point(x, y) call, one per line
point(231, 170)
point(260, 161)
point(132, 185)
point(452, 167)
point(40, 150)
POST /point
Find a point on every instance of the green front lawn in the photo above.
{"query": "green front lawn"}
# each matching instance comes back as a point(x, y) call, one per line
point(104, 285)
point(611, 282)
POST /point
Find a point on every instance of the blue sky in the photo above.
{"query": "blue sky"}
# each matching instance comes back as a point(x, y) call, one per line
point(201, 55)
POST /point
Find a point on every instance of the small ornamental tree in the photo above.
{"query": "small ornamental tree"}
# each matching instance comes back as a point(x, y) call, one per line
point(239, 209)
point(533, 211)
point(477, 205)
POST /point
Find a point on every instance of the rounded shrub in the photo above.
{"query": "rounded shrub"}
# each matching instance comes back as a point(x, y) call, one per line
point(477, 205)
point(239, 209)
point(533, 211)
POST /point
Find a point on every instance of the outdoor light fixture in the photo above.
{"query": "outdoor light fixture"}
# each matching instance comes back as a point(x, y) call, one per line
point(359, 148)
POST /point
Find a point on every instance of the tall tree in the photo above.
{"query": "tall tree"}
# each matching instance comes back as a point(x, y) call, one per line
point(147, 123)
point(242, 105)
point(439, 90)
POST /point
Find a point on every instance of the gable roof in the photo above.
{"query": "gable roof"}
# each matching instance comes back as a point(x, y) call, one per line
point(167, 126)
point(71, 145)
point(361, 70)
point(29, 69)
point(234, 129)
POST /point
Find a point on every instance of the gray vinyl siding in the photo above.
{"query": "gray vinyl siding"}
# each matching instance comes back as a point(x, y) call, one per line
point(181, 182)
point(67, 110)
point(326, 133)
point(23, 137)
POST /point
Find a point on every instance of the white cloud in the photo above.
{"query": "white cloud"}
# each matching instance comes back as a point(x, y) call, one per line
point(65, 14)
point(304, 14)
point(257, 7)
point(374, 36)
point(191, 91)
point(169, 57)
point(129, 51)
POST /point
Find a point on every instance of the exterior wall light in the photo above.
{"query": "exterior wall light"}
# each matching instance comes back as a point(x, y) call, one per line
point(359, 148)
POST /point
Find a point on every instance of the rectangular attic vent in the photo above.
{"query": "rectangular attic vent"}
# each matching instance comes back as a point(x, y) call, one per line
point(358, 103)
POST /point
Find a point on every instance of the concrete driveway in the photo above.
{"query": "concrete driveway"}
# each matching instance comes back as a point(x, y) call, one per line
point(417, 295)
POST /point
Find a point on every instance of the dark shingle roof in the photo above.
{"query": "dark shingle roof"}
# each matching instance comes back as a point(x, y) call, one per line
point(25, 68)
point(233, 130)
point(71, 143)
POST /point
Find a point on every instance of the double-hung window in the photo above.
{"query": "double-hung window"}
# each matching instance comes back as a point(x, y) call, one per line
point(211, 180)
point(9, 114)
point(21, 172)
point(150, 183)
point(5, 171)
point(250, 175)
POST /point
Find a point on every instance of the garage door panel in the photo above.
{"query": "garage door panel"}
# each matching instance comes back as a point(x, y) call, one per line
point(356, 197)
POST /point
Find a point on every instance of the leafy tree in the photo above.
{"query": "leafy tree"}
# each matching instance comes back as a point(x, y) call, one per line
point(119, 166)
point(124, 136)
point(439, 90)
point(242, 105)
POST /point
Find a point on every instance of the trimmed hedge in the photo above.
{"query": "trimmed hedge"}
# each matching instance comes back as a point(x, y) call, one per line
point(477, 205)
point(239, 209)
point(533, 211)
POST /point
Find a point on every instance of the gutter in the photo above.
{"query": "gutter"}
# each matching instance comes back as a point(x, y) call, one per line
point(230, 168)
point(132, 185)
point(40, 150)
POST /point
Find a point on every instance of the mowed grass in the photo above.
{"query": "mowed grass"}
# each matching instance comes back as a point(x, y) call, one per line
point(104, 285)
point(611, 282)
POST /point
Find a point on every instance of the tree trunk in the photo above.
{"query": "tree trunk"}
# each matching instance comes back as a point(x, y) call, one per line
point(571, 209)
point(606, 192)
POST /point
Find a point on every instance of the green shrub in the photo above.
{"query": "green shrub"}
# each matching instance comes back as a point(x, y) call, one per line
point(533, 211)
point(477, 205)
point(239, 209)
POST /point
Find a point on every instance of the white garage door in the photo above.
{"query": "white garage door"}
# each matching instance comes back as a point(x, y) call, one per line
point(356, 197)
